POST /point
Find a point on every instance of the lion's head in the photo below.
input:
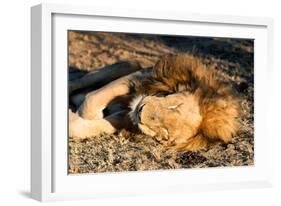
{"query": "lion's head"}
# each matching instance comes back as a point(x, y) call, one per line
point(172, 119)
point(195, 103)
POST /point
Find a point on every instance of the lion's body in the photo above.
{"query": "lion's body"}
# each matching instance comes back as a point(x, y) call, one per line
point(180, 102)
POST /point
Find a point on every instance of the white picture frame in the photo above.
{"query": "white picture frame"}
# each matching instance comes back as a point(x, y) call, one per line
point(49, 178)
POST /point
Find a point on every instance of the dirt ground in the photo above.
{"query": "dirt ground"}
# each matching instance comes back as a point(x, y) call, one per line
point(233, 58)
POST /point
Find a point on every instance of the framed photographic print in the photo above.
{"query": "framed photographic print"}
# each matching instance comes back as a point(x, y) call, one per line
point(137, 102)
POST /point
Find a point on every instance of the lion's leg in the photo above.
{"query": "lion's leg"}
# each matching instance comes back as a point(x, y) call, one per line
point(83, 128)
point(95, 102)
point(102, 76)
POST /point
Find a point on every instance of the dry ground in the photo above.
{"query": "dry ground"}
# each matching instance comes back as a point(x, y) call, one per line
point(233, 59)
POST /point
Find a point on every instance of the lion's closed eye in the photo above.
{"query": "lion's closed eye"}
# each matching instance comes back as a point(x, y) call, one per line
point(140, 109)
point(174, 107)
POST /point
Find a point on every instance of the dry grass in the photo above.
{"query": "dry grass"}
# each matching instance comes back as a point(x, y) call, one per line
point(233, 59)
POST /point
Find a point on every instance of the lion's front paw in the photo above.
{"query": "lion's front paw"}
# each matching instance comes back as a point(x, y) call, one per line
point(91, 108)
point(80, 128)
point(92, 114)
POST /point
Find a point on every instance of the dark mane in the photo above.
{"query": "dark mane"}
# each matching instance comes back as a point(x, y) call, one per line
point(181, 72)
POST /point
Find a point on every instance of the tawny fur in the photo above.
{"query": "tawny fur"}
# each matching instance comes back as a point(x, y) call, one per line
point(217, 101)
point(183, 104)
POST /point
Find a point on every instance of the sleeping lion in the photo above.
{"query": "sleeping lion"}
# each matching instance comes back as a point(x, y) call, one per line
point(180, 102)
